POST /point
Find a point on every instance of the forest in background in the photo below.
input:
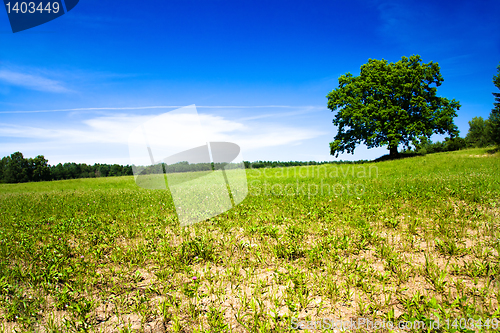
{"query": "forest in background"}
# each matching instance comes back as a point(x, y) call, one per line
point(18, 169)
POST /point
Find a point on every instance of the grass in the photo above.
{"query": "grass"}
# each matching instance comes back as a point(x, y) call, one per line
point(415, 239)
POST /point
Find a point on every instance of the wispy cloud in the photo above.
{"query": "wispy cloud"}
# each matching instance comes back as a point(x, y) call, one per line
point(32, 81)
point(305, 108)
point(116, 130)
point(302, 110)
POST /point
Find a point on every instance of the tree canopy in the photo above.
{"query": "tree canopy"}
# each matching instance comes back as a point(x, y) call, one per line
point(494, 118)
point(479, 134)
point(390, 104)
point(18, 169)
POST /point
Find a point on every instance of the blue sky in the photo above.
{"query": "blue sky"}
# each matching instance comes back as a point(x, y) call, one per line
point(260, 70)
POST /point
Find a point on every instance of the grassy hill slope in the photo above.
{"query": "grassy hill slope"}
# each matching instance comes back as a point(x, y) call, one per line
point(415, 239)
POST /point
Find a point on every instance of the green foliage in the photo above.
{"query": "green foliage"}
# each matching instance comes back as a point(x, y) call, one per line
point(289, 246)
point(198, 248)
point(390, 104)
point(479, 134)
point(17, 169)
point(426, 146)
point(494, 118)
point(215, 318)
point(279, 164)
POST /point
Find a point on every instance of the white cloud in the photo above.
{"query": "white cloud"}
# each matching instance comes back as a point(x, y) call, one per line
point(105, 139)
point(32, 81)
point(116, 130)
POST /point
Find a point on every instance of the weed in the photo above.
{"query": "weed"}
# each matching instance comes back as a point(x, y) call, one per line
point(420, 243)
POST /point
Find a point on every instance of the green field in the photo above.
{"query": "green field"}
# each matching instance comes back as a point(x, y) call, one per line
point(414, 239)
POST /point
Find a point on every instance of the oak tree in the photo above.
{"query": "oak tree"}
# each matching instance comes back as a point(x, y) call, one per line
point(389, 104)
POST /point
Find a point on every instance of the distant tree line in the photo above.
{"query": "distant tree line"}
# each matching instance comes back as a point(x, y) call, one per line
point(480, 135)
point(17, 169)
point(183, 167)
point(186, 167)
point(482, 132)
point(278, 164)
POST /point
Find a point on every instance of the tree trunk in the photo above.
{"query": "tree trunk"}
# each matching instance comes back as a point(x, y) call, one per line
point(393, 151)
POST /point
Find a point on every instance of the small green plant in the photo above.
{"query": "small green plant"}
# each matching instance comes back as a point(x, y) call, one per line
point(392, 223)
point(198, 247)
point(434, 274)
point(163, 308)
point(96, 254)
point(450, 247)
point(190, 288)
point(64, 297)
point(81, 310)
point(215, 319)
